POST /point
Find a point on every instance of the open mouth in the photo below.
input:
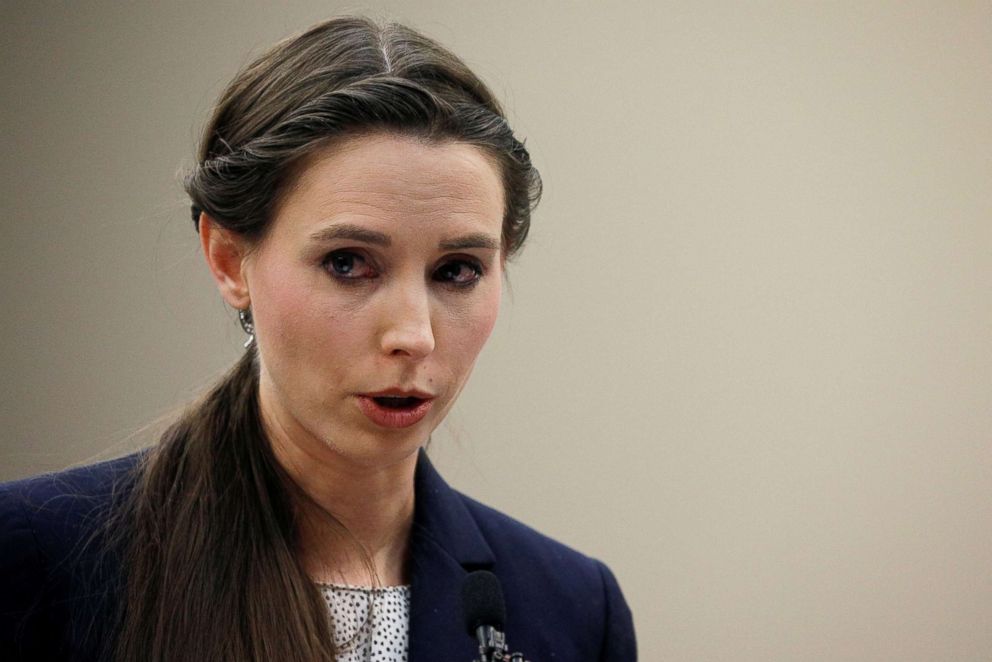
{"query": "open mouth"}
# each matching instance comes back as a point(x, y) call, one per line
point(395, 411)
point(397, 402)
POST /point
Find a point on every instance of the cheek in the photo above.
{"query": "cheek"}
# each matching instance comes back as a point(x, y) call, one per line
point(295, 318)
point(488, 321)
point(478, 323)
point(279, 303)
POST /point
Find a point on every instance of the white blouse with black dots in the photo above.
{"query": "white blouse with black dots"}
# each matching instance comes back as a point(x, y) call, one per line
point(359, 637)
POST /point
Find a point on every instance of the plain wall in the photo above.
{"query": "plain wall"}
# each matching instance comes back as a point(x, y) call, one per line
point(745, 358)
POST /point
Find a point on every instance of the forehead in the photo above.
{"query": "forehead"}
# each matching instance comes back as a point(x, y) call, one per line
point(386, 178)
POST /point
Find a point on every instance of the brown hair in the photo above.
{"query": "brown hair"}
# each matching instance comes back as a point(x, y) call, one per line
point(211, 569)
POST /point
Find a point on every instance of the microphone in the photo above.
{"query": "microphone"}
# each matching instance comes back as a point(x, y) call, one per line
point(485, 616)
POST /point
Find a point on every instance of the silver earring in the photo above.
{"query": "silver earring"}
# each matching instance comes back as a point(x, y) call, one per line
point(244, 316)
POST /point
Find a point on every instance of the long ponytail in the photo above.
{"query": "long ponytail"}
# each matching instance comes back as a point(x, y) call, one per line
point(211, 568)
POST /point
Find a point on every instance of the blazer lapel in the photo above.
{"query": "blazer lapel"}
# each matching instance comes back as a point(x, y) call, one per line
point(445, 544)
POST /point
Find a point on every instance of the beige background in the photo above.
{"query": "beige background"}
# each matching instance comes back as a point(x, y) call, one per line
point(746, 360)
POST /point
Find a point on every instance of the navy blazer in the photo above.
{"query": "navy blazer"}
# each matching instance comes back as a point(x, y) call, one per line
point(58, 583)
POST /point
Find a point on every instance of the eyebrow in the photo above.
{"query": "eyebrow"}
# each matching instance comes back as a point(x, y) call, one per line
point(475, 240)
point(353, 232)
point(364, 235)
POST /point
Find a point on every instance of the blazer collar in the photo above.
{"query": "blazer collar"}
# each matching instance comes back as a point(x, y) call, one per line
point(440, 514)
point(445, 544)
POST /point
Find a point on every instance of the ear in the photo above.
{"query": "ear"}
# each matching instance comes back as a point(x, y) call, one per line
point(225, 252)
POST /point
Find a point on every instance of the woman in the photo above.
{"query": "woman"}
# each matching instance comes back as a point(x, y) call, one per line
point(357, 195)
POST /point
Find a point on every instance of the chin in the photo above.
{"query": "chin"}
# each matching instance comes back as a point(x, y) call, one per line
point(379, 450)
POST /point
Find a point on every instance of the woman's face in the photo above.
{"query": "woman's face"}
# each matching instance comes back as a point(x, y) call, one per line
point(373, 292)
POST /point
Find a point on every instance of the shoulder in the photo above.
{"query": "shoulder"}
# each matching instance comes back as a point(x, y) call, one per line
point(86, 480)
point(59, 505)
point(552, 575)
point(47, 525)
point(510, 538)
point(47, 521)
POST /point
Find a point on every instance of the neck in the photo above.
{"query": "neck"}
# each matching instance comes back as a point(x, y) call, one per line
point(374, 505)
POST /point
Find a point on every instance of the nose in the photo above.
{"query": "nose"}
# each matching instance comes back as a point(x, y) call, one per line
point(407, 326)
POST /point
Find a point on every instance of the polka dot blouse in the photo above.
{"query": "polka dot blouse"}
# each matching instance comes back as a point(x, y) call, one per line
point(361, 637)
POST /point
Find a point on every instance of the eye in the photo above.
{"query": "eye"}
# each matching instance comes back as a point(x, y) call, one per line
point(348, 265)
point(460, 273)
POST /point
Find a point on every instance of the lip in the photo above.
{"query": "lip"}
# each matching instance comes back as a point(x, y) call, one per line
point(388, 417)
point(398, 392)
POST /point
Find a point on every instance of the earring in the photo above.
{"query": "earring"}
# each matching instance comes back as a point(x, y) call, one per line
point(244, 316)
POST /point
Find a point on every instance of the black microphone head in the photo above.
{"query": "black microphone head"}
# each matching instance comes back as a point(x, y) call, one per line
point(482, 601)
